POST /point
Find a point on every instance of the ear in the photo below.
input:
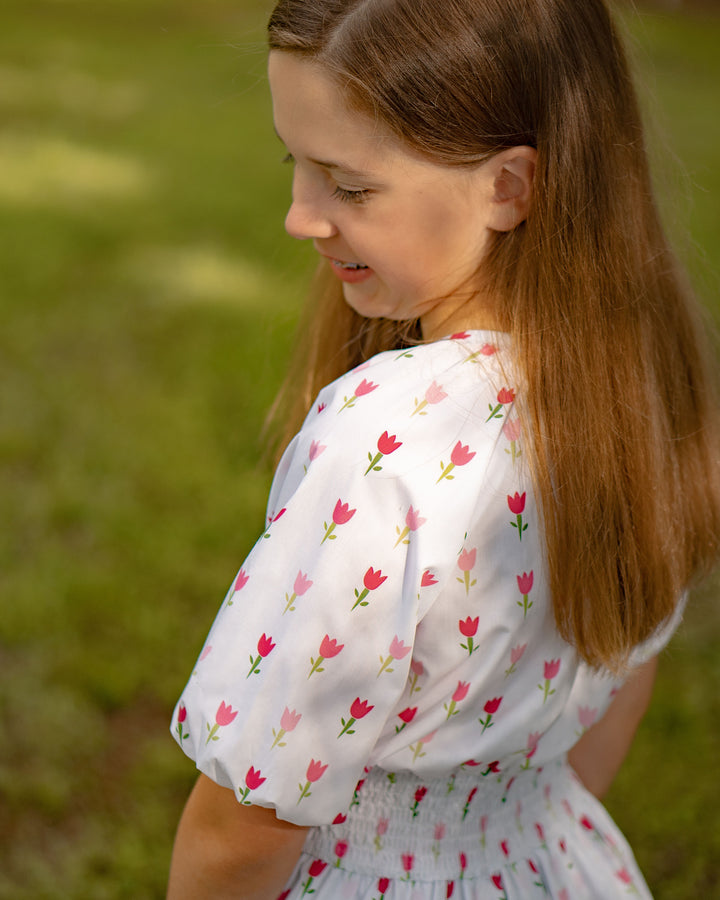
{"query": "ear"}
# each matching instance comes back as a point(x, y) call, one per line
point(513, 171)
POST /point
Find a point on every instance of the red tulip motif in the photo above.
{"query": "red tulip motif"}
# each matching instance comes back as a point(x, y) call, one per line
point(525, 585)
point(371, 582)
point(550, 670)
point(264, 647)
point(365, 387)
point(490, 708)
point(468, 628)
point(504, 398)
point(461, 455)
point(224, 716)
point(328, 649)
point(516, 505)
point(341, 516)
point(315, 772)
point(358, 710)
point(386, 444)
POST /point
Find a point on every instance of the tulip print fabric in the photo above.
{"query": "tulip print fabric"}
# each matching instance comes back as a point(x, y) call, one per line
point(385, 666)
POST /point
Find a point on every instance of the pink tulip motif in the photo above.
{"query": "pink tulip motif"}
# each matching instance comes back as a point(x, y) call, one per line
point(531, 749)
point(383, 885)
point(380, 830)
point(418, 799)
point(498, 882)
point(341, 516)
point(516, 654)
point(485, 350)
point(512, 430)
point(458, 696)
point(397, 650)
point(328, 649)
point(416, 670)
point(525, 585)
point(413, 520)
point(253, 780)
point(417, 749)
point(449, 890)
point(490, 708)
point(240, 581)
point(505, 397)
point(428, 579)
point(371, 582)
point(341, 848)
point(624, 876)
point(466, 563)
point(358, 710)
point(463, 865)
point(386, 444)
point(288, 722)
point(181, 717)
point(406, 717)
point(460, 336)
point(272, 518)
point(434, 394)
point(224, 716)
point(408, 860)
point(516, 504)
point(301, 586)
point(365, 387)
point(438, 835)
point(483, 831)
point(264, 647)
point(315, 772)
point(468, 628)
point(586, 716)
point(316, 449)
point(551, 669)
point(317, 867)
point(460, 456)
point(468, 801)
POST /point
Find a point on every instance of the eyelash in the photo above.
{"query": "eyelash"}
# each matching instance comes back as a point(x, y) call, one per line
point(341, 194)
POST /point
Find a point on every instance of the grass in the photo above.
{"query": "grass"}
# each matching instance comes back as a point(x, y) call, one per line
point(148, 302)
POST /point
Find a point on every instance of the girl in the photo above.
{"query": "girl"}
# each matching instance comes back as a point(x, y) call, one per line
point(435, 657)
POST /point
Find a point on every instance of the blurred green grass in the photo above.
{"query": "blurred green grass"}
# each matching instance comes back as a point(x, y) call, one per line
point(148, 300)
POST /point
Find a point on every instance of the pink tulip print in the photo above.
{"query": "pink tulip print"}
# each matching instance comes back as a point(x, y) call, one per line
point(240, 581)
point(181, 717)
point(264, 647)
point(525, 585)
point(505, 397)
point(397, 650)
point(468, 628)
point(458, 696)
point(341, 516)
point(466, 563)
point(434, 394)
point(586, 716)
point(315, 772)
point(485, 350)
point(317, 867)
point(428, 579)
point(408, 860)
point(413, 521)
point(316, 448)
point(386, 444)
point(516, 504)
point(289, 721)
point(498, 882)
point(383, 885)
point(417, 748)
point(371, 582)
point(358, 710)
point(301, 586)
point(380, 829)
point(461, 455)
point(550, 670)
point(418, 799)
point(253, 780)
point(416, 670)
point(272, 518)
point(511, 431)
point(329, 648)
point(365, 387)
point(406, 717)
point(438, 835)
point(516, 654)
point(224, 716)
point(341, 848)
point(462, 859)
point(468, 801)
point(490, 708)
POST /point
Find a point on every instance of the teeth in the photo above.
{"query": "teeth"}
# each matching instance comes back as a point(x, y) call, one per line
point(344, 265)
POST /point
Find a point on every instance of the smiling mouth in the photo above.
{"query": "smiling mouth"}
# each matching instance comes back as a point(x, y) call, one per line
point(352, 267)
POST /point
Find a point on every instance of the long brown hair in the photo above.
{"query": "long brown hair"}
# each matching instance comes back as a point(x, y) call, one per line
point(618, 398)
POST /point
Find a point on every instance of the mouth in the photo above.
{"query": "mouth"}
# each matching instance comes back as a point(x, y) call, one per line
point(348, 266)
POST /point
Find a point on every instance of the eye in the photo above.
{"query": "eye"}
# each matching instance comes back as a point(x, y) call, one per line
point(346, 196)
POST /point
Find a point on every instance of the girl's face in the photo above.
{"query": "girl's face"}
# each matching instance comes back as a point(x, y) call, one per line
point(404, 235)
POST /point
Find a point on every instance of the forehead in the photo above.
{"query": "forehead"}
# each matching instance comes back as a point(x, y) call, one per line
point(313, 114)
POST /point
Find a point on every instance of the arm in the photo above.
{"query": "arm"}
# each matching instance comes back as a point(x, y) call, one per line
point(599, 753)
point(226, 851)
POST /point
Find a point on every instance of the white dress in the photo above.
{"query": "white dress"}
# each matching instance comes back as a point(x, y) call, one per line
point(385, 666)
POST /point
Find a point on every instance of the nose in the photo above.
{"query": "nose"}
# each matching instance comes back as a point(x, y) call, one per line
point(307, 217)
